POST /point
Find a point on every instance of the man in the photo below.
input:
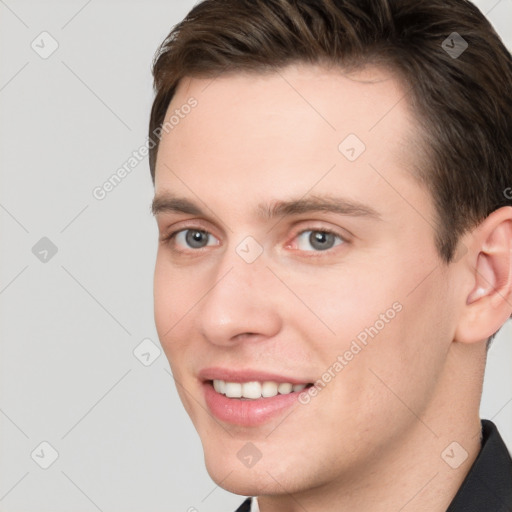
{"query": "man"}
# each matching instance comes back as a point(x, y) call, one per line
point(332, 191)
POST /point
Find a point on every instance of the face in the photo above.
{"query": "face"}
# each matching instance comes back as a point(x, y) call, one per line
point(296, 248)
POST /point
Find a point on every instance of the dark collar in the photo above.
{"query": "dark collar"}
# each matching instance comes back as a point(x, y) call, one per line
point(488, 485)
point(245, 506)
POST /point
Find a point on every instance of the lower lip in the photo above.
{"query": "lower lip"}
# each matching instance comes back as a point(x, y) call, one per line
point(247, 413)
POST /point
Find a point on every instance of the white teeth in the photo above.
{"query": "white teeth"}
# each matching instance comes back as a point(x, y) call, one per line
point(233, 389)
point(254, 390)
point(284, 388)
point(268, 389)
point(251, 390)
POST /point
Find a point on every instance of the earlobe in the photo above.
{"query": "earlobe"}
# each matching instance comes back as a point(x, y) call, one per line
point(489, 303)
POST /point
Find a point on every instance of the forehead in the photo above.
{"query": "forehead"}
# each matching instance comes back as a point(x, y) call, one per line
point(286, 130)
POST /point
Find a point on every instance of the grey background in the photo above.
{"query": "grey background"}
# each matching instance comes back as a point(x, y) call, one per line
point(69, 326)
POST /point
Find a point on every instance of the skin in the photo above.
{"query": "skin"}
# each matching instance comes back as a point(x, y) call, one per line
point(372, 439)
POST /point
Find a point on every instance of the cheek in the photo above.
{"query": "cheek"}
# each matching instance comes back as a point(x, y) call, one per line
point(345, 304)
point(173, 297)
point(393, 324)
point(164, 297)
point(404, 360)
point(174, 291)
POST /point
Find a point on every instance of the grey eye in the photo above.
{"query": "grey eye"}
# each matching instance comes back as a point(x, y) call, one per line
point(194, 238)
point(318, 239)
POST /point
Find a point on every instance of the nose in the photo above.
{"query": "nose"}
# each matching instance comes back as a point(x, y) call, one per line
point(242, 302)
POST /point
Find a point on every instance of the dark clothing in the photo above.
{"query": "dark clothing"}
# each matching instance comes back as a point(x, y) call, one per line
point(245, 506)
point(488, 485)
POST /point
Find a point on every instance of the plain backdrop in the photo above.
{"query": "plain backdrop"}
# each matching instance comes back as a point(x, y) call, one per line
point(76, 272)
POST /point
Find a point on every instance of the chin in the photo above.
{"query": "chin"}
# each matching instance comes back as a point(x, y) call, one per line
point(248, 484)
point(228, 472)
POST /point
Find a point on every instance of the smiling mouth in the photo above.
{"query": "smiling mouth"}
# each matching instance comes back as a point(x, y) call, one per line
point(254, 390)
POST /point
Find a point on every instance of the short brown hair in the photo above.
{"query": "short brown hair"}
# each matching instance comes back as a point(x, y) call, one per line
point(463, 103)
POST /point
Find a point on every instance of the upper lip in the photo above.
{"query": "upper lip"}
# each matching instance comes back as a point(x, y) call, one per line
point(246, 375)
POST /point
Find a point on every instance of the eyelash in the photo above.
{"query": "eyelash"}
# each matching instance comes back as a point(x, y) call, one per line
point(167, 239)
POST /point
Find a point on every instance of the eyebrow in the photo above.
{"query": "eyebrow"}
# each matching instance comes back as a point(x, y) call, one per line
point(167, 203)
point(339, 205)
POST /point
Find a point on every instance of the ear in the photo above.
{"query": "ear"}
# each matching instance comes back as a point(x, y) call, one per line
point(489, 303)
